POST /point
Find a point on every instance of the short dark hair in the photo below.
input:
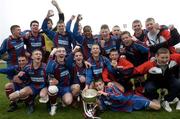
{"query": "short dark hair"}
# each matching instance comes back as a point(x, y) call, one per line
point(13, 27)
point(115, 26)
point(87, 28)
point(126, 32)
point(79, 50)
point(113, 50)
point(162, 51)
point(104, 26)
point(136, 21)
point(34, 21)
point(23, 55)
point(99, 80)
point(37, 50)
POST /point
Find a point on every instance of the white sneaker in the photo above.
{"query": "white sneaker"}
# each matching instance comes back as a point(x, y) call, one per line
point(178, 106)
point(53, 110)
point(44, 99)
point(165, 105)
point(174, 101)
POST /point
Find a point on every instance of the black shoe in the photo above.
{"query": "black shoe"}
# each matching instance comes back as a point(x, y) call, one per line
point(12, 107)
point(30, 108)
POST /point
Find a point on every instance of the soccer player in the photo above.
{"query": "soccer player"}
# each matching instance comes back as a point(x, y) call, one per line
point(139, 33)
point(60, 13)
point(123, 69)
point(85, 39)
point(161, 74)
point(98, 63)
point(112, 98)
point(134, 52)
point(78, 74)
point(61, 37)
point(36, 75)
point(15, 83)
point(34, 39)
point(59, 79)
point(156, 36)
point(49, 43)
point(13, 45)
point(107, 41)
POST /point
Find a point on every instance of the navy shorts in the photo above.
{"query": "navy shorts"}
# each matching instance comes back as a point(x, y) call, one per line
point(18, 86)
point(63, 90)
point(140, 102)
point(35, 90)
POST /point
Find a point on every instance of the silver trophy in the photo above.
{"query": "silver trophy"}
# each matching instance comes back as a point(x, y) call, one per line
point(90, 103)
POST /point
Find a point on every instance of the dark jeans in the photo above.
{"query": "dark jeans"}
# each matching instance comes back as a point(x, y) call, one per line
point(171, 84)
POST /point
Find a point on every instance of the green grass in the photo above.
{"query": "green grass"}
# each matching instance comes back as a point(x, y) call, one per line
point(71, 113)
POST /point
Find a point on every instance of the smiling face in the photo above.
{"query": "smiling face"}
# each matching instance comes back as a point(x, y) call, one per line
point(87, 31)
point(34, 26)
point(114, 55)
point(126, 39)
point(163, 56)
point(99, 85)
point(105, 33)
point(60, 54)
point(95, 50)
point(88, 34)
point(150, 25)
point(163, 59)
point(16, 31)
point(37, 56)
point(78, 57)
point(22, 61)
point(137, 27)
point(116, 30)
point(50, 24)
point(61, 27)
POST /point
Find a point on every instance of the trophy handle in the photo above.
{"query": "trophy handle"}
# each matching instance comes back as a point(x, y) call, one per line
point(90, 110)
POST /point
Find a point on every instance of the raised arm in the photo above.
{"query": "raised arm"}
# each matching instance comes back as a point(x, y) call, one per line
point(51, 34)
point(77, 36)
point(68, 24)
point(54, 2)
point(60, 13)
